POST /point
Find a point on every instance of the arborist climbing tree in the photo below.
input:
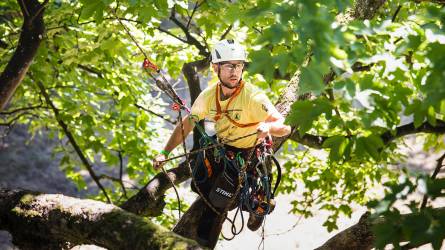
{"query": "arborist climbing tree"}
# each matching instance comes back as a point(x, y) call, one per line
point(236, 172)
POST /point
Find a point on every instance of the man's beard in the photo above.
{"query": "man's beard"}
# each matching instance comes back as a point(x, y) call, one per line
point(229, 84)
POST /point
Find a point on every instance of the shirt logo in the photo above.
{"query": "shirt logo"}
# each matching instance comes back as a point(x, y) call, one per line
point(264, 107)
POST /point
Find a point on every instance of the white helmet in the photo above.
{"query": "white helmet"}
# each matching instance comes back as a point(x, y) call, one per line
point(228, 50)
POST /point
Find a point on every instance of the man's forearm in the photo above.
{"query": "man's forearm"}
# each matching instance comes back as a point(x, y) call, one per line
point(176, 137)
point(278, 128)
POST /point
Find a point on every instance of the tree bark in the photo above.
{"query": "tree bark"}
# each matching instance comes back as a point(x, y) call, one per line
point(201, 224)
point(358, 236)
point(149, 201)
point(30, 37)
point(361, 235)
point(53, 221)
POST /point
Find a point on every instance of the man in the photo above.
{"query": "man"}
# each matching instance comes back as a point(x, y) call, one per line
point(237, 108)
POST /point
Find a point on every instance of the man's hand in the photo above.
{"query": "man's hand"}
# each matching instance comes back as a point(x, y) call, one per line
point(158, 161)
point(263, 130)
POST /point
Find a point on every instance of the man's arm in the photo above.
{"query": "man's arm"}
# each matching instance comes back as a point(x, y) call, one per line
point(277, 126)
point(176, 137)
point(274, 125)
point(174, 140)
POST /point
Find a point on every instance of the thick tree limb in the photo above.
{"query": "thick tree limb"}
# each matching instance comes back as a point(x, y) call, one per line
point(149, 201)
point(30, 37)
point(366, 9)
point(358, 236)
point(188, 225)
point(53, 221)
point(315, 141)
point(361, 235)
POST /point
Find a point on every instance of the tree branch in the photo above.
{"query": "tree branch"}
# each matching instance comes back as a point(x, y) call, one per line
point(10, 112)
point(191, 16)
point(439, 165)
point(315, 141)
point(190, 39)
point(226, 32)
point(149, 201)
point(71, 139)
point(121, 173)
point(24, 9)
point(42, 7)
point(13, 120)
point(154, 113)
point(54, 221)
point(91, 70)
point(393, 19)
point(171, 34)
point(361, 235)
point(29, 41)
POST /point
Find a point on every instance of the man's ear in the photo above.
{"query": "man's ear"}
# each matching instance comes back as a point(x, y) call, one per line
point(215, 67)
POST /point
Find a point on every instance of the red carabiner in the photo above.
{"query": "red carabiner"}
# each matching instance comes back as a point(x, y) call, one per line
point(176, 107)
point(149, 65)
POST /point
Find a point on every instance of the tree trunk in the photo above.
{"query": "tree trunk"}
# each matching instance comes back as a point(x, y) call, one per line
point(201, 224)
point(30, 37)
point(52, 221)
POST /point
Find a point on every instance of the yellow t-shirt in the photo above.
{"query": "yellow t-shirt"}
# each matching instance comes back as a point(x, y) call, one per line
point(250, 106)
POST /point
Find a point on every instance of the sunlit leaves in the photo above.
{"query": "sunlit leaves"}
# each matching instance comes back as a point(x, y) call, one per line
point(305, 113)
point(421, 226)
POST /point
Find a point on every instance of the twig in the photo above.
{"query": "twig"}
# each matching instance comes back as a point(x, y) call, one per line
point(13, 120)
point(71, 139)
point(395, 14)
point(20, 109)
point(121, 170)
point(114, 179)
point(337, 111)
point(226, 32)
point(129, 33)
point(190, 39)
point(439, 165)
point(171, 34)
point(91, 70)
point(154, 113)
point(257, 30)
point(24, 9)
point(191, 16)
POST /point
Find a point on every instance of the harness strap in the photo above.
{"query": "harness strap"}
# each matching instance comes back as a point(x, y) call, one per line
point(220, 113)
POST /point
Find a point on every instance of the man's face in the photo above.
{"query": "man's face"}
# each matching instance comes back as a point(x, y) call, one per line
point(230, 71)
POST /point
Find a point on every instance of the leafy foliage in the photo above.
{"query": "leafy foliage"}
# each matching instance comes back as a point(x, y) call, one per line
point(386, 72)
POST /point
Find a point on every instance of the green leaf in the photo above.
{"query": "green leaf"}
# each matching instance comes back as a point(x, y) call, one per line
point(337, 144)
point(92, 7)
point(311, 81)
point(431, 116)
